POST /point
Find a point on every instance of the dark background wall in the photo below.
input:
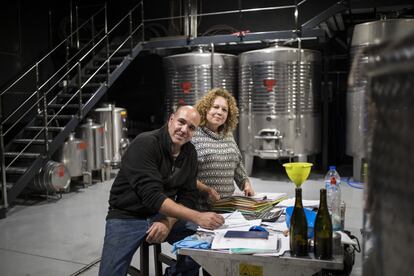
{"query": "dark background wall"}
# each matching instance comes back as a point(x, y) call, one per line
point(30, 29)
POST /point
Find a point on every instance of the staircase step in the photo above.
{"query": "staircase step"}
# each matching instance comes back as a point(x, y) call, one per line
point(63, 116)
point(84, 95)
point(98, 76)
point(51, 128)
point(94, 68)
point(113, 59)
point(120, 52)
point(22, 154)
point(16, 170)
point(33, 141)
point(61, 105)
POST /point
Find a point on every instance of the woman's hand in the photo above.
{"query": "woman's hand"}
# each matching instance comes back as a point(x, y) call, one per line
point(248, 190)
point(213, 196)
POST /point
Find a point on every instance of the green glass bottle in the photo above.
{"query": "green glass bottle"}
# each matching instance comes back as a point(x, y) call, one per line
point(298, 230)
point(323, 230)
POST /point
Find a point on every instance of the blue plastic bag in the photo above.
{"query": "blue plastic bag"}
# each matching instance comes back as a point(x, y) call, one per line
point(193, 241)
point(310, 217)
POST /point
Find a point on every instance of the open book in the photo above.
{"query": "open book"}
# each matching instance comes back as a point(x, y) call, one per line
point(260, 202)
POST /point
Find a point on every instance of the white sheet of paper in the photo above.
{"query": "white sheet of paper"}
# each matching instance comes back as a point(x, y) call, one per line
point(276, 226)
point(220, 242)
point(233, 221)
point(284, 246)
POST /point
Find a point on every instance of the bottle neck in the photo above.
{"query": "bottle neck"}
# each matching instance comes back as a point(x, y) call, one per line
point(322, 200)
point(298, 201)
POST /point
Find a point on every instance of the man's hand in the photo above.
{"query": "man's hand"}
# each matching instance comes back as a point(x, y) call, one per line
point(213, 196)
point(158, 232)
point(210, 220)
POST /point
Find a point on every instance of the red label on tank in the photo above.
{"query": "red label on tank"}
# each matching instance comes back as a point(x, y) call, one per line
point(269, 84)
point(82, 145)
point(181, 102)
point(61, 171)
point(101, 130)
point(186, 86)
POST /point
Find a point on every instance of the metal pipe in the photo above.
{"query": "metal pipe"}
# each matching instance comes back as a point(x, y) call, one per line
point(298, 114)
point(67, 64)
point(142, 21)
point(3, 169)
point(93, 32)
point(3, 164)
point(71, 21)
point(108, 62)
point(212, 66)
point(37, 88)
point(131, 41)
point(300, 92)
point(80, 89)
point(77, 27)
point(46, 135)
point(228, 12)
point(187, 22)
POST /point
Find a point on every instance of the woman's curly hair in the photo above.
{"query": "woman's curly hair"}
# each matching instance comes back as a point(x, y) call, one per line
point(205, 103)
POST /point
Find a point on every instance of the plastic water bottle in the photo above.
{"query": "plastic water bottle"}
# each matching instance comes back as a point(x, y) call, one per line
point(332, 172)
point(333, 191)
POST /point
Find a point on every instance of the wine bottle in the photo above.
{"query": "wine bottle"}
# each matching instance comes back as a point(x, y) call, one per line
point(323, 230)
point(298, 230)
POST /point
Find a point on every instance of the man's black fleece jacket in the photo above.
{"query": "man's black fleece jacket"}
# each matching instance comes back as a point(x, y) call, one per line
point(149, 174)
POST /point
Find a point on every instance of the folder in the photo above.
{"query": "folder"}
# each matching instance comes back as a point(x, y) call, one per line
point(247, 234)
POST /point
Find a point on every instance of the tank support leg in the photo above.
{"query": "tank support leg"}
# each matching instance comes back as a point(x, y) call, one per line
point(87, 178)
point(302, 158)
point(102, 174)
point(107, 169)
point(356, 168)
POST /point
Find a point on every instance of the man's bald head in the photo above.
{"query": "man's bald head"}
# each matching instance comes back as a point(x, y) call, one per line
point(182, 124)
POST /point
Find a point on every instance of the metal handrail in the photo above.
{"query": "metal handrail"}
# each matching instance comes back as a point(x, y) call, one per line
point(226, 12)
point(27, 111)
point(44, 84)
point(43, 97)
point(49, 53)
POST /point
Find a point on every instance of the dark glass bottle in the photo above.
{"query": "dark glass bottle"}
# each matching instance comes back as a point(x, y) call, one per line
point(298, 230)
point(323, 230)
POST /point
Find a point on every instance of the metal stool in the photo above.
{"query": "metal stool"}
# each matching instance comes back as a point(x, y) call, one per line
point(159, 259)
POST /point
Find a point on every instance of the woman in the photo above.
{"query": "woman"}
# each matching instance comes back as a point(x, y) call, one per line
point(219, 159)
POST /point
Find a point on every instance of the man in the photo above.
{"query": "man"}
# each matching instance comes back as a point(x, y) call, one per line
point(154, 194)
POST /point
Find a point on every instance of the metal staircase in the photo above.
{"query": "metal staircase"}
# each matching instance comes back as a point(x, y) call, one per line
point(38, 124)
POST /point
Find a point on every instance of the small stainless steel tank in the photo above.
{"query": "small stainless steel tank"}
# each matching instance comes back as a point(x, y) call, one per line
point(189, 76)
point(53, 177)
point(73, 155)
point(279, 103)
point(93, 135)
point(365, 37)
point(113, 120)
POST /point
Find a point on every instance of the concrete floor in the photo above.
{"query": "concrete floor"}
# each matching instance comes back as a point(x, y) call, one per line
point(61, 237)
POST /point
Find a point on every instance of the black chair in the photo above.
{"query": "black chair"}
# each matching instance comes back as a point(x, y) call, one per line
point(159, 259)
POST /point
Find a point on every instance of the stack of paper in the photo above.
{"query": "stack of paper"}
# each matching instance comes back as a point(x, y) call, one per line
point(261, 202)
